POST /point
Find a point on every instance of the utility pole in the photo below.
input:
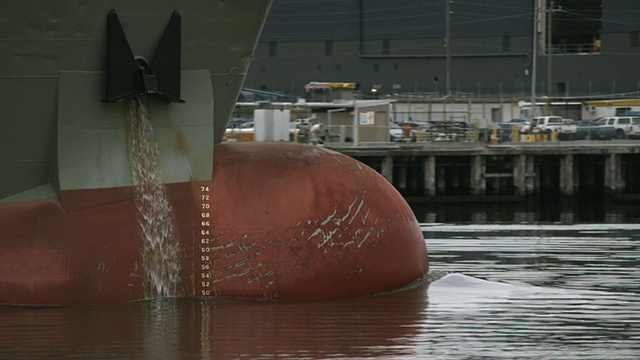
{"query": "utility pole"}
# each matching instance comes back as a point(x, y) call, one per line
point(534, 59)
point(550, 10)
point(549, 47)
point(447, 41)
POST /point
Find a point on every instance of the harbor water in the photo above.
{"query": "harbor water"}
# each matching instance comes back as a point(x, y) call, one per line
point(505, 283)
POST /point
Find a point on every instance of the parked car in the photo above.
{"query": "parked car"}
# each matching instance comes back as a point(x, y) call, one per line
point(505, 129)
point(449, 131)
point(416, 125)
point(549, 124)
point(590, 130)
point(624, 125)
point(304, 121)
point(421, 128)
point(519, 123)
point(397, 133)
point(635, 133)
point(569, 135)
point(242, 132)
point(294, 128)
point(237, 122)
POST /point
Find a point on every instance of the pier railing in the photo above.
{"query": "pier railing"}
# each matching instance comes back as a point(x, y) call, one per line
point(440, 132)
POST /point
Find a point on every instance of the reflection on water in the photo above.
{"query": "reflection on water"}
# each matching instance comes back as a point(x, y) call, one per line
point(217, 329)
point(506, 289)
point(559, 210)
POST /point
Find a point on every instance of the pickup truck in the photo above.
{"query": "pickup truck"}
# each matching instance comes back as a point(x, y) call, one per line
point(566, 129)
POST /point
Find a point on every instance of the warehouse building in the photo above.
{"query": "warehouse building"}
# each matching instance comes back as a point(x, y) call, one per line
point(474, 48)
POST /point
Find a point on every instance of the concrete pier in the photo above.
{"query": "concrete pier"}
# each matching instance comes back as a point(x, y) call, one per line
point(566, 174)
point(613, 174)
point(517, 171)
point(429, 166)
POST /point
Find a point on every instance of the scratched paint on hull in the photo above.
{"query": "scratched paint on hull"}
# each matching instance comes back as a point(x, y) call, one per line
point(318, 225)
point(286, 222)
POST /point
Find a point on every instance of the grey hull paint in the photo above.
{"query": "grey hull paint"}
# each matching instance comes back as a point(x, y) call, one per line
point(44, 40)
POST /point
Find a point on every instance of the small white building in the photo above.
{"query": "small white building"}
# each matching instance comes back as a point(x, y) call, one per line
point(602, 108)
point(355, 121)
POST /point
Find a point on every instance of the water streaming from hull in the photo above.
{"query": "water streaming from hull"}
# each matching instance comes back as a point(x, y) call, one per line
point(160, 254)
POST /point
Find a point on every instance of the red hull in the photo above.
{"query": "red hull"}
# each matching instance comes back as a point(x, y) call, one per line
point(281, 222)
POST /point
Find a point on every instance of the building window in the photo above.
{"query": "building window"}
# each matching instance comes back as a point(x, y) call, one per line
point(328, 48)
point(263, 69)
point(622, 110)
point(496, 115)
point(319, 67)
point(634, 39)
point(396, 66)
point(338, 66)
point(386, 46)
point(572, 25)
point(376, 67)
point(273, 49)
point(562, 88)
point(506, 43)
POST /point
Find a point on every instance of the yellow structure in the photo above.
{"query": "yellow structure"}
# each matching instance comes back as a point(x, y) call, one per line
point(539, 137)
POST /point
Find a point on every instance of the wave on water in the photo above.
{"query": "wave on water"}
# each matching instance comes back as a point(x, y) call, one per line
point(457, 287)
point(459, 292)
point(448, 280)
point(457, 280)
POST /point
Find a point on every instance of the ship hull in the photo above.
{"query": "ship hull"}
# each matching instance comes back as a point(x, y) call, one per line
point(53, 81)
point(278, 222)
point(109, 202)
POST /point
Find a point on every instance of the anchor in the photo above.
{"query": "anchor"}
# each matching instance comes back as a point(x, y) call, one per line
point(129, 76)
